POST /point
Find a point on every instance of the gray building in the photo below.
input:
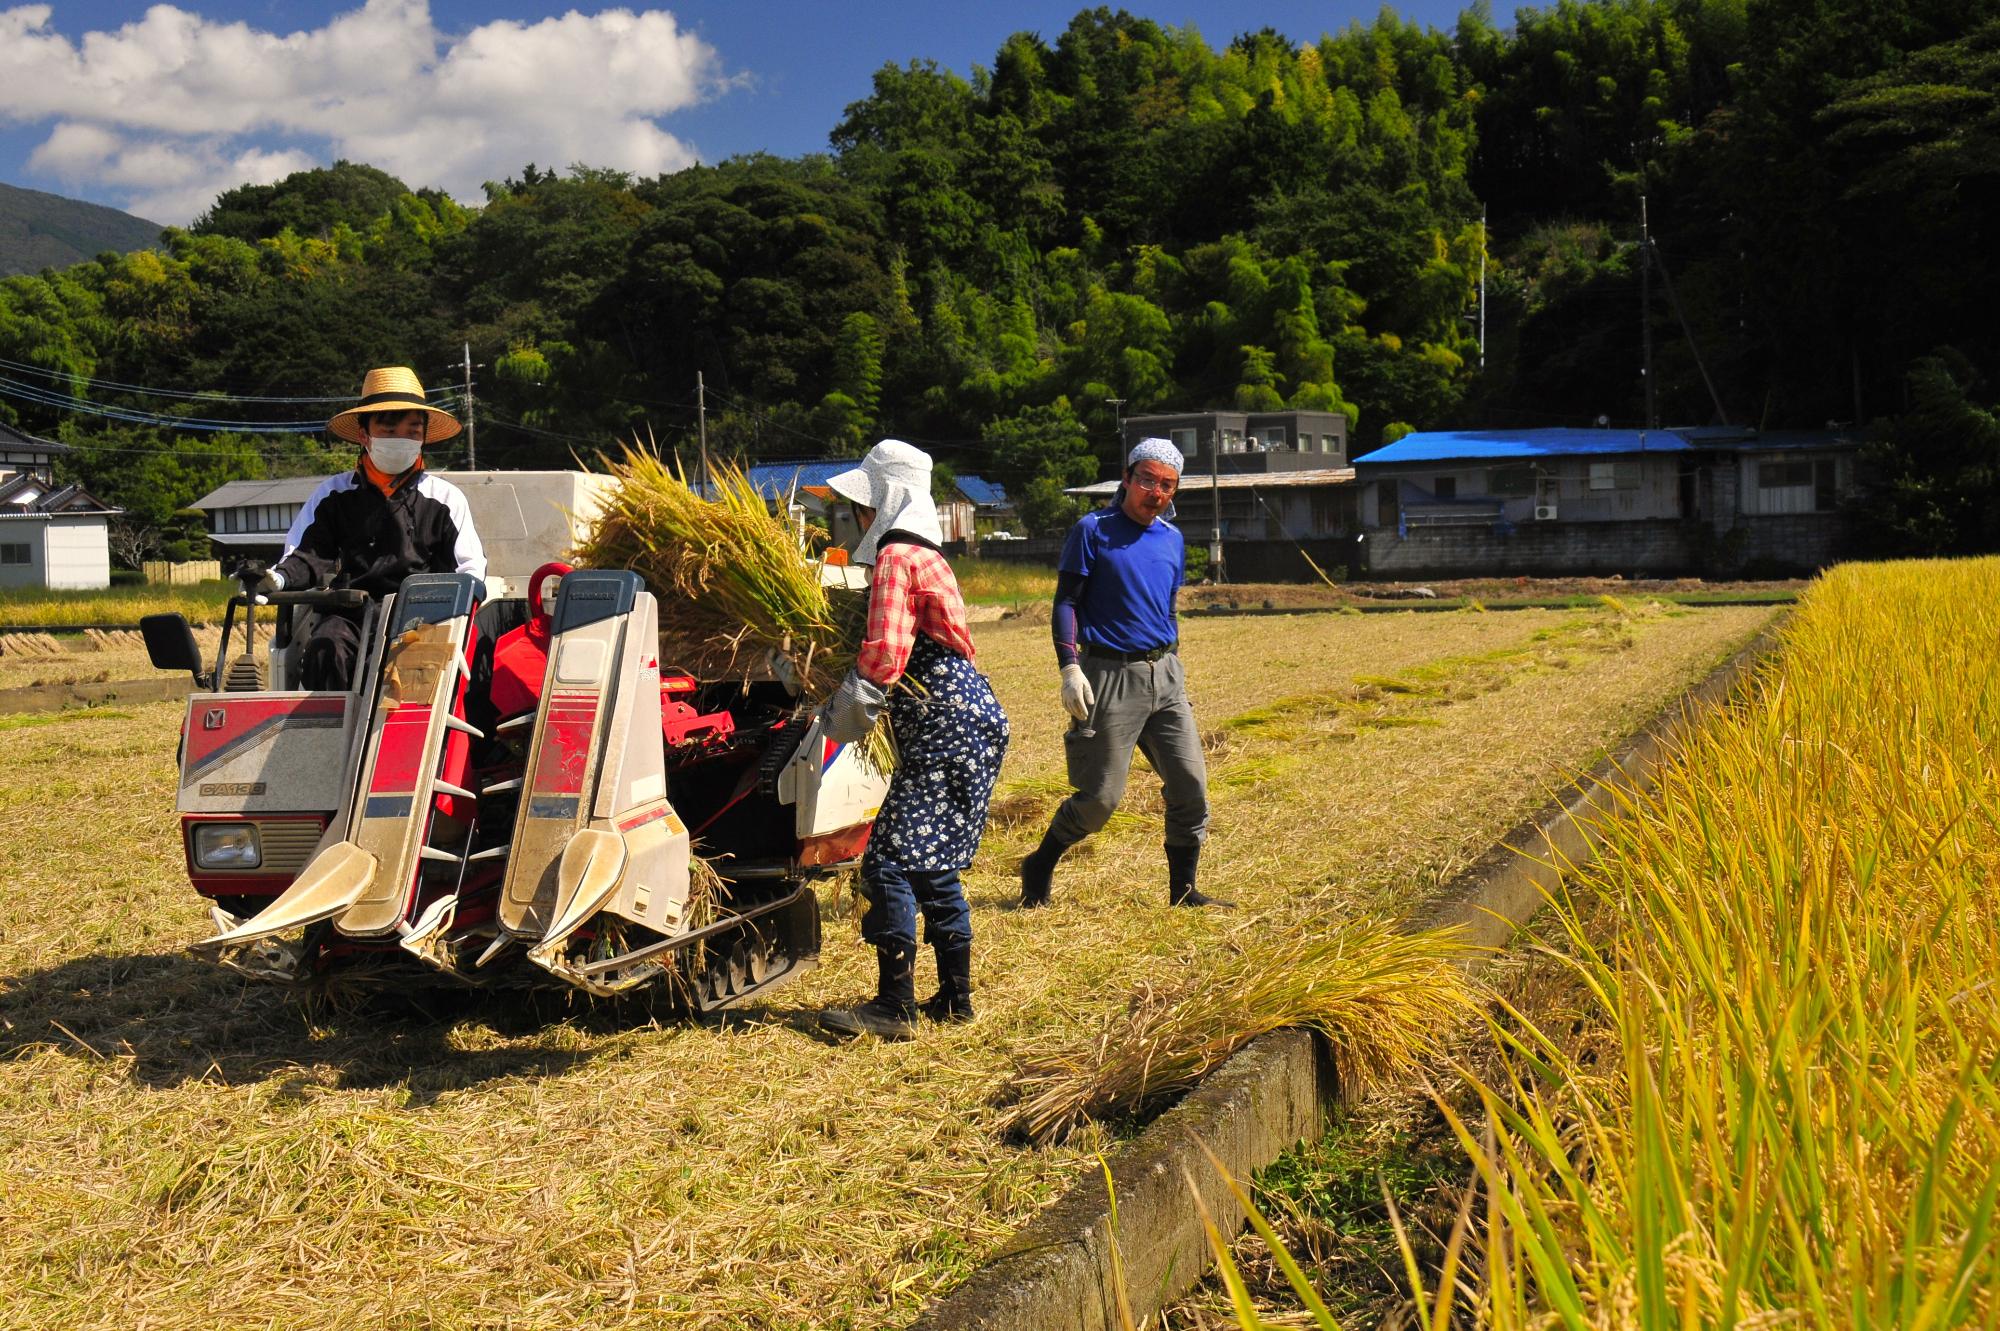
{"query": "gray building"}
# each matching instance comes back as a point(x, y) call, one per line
point(1714, 501)
point(1226, 441)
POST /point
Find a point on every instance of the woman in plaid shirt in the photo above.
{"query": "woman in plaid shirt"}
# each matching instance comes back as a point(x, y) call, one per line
point(915, 661)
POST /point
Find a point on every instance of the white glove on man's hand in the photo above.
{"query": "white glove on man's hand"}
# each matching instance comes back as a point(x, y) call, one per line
point(1077, 695)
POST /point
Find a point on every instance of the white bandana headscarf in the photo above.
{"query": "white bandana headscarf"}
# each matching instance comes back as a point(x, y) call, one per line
point(1151, 450)
point(1155, 450)
point(894, 480)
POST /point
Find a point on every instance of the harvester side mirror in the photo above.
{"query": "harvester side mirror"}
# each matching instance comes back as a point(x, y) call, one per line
point(170, 645)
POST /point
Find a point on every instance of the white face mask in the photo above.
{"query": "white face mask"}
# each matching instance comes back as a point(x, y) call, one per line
point(392, 455)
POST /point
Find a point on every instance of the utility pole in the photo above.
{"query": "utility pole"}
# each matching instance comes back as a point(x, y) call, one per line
point(1482, 287)
point(1216, 571)
point(471, 425)
point(1118, 414)
point(1646, 311)
point(701, 419)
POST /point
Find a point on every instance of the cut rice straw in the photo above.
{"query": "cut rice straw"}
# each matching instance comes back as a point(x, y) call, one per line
point(729, 574)
point(1382, 999)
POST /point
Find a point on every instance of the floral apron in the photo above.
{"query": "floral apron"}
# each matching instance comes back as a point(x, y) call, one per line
point(950, 736)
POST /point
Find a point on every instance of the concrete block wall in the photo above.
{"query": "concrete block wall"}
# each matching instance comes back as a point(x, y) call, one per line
point(1797, 543)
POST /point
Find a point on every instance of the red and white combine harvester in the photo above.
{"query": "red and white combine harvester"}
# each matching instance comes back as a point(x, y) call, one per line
point(512, 790)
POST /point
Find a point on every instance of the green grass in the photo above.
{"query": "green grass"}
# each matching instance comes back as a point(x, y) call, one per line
point(203, 604)
point(29, 720)
point(1002, 582)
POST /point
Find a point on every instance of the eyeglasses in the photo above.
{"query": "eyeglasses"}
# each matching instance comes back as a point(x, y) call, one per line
point(1153, 485)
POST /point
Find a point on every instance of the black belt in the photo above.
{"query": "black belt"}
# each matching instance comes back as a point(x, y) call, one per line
point(1150, 654)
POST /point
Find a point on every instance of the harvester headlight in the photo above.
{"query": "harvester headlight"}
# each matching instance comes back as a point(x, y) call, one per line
point(227, 846)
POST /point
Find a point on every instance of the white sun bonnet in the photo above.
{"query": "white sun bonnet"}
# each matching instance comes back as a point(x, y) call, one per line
point(894, 480)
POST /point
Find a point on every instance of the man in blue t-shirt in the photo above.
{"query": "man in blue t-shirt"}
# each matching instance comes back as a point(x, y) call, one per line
point(1122, 683)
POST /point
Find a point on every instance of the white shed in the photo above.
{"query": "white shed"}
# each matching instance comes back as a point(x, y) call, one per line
point(55, 538)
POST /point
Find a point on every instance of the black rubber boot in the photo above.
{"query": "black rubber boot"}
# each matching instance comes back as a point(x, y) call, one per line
point(953, 1000)
point(1038, 869)
point(1182, 862)
point(892, 1013)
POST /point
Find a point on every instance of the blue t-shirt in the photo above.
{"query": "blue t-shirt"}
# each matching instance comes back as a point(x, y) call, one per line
point(1131, 575)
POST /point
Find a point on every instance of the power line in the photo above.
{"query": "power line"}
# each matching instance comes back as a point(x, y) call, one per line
point(70, 377)
point(42, 397)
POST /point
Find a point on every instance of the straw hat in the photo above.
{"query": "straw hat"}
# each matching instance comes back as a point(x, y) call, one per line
point(393, 388)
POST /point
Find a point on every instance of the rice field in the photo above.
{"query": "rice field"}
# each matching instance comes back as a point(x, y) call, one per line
point(203, 603)
point(1749, 1078)
point(179, 1149)
point(1791, 945)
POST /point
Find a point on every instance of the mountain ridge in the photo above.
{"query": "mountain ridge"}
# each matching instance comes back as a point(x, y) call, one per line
point(40, 230)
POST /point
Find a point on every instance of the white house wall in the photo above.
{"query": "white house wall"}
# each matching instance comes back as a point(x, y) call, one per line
point(78, 552)
point(26, 531)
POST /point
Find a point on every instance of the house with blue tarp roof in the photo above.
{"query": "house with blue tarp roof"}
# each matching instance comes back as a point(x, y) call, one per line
point(775, 480)
point(802, 481)
point(1712, 499)
point(988, 498)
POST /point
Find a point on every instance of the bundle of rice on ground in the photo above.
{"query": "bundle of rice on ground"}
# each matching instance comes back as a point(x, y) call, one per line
point(731, 578)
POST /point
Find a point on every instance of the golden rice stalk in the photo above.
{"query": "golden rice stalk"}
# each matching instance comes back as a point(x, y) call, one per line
point(1383, 1000)
point(727, 572)
point(729, 576)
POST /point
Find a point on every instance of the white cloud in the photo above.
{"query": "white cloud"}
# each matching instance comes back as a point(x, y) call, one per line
point(172, 108)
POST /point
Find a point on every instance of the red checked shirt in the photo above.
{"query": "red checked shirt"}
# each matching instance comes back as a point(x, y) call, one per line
point(913, 591)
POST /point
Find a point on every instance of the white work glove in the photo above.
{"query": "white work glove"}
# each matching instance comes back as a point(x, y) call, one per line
point(784, 670)
point(1077, 695)
point(852, 711)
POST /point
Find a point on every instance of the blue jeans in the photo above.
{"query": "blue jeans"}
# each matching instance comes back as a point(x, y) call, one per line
point(896, 894)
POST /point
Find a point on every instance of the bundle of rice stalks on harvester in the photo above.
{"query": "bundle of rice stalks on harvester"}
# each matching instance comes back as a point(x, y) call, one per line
point(733, 580)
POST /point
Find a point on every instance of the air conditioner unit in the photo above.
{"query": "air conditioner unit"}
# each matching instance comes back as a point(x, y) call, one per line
point(1545, 512)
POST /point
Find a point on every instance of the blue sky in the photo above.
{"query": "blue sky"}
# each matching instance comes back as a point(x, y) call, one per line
point(155, 110)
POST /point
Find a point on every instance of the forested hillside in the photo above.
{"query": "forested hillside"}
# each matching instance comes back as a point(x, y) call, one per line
point(40, 230)
point(1124, 211)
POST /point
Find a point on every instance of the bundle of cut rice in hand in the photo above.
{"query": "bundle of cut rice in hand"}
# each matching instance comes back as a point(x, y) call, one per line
point(731, 578)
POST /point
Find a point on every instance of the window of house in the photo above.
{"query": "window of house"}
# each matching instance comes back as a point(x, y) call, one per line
point(1185, 440)
point(1511, 481)
point(1232, 441)
point(1445, 487)
point(1614, 475)
point(1777, 475)
point(1329, 443)
point(15, 553)
point(1274, 438)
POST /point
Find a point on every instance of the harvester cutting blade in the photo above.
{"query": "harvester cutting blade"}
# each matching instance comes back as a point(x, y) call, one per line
point(407, 746)
point(592, 864)
point(595, 833)
point(334, 880)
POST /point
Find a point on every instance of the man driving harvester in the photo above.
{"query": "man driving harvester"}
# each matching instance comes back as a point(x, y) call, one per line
point(370, 528)
point(1116, 637)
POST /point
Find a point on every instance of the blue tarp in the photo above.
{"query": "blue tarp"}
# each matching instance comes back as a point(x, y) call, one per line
point(982, 492)
point(1508, 445)
point(775, 479)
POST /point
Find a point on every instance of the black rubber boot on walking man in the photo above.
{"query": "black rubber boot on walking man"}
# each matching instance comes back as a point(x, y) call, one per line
point(1182, 862)
point(953, 1000)
point(1038, 869)
point(892, 1013)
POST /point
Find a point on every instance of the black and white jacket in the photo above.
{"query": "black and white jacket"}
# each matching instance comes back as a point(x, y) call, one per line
point(349, 534)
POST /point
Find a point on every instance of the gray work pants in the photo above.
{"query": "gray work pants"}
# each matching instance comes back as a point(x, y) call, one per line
point(1142, 704)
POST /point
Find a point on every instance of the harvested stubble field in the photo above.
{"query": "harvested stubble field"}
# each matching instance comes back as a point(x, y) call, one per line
point(179, 1150)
